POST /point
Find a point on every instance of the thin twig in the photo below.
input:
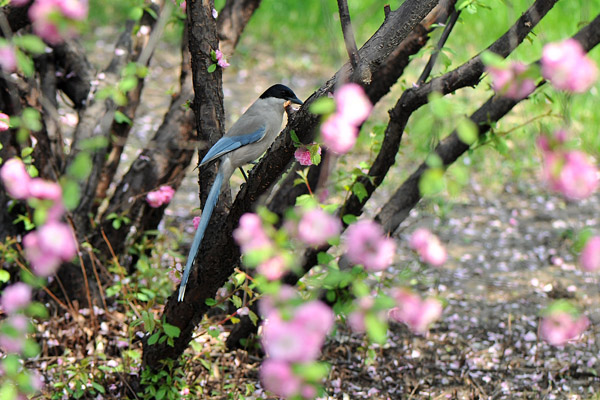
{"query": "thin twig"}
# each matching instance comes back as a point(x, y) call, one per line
point(165, 14)
point(348, 33)
point(451, 23)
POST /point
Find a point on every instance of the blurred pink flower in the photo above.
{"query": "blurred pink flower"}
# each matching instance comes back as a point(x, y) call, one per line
point(366, 244)
point(47, 247)
point(590, 255)
point(277, 376)
point(163, 195)
point(559, 327)
point(315, 316)
point(15, 178)
point(45, 16)
point(4, 119)
point(511, 82)
point(8, 58)
point(221, 61)
point(45, 190)
point(429, 247)
point(570, 173)
point(13, 341)
point(15, 297)
point(567, 67)
point(353, 105)
point(417, 314)
point(174, 276)
point(316, 227)
point(250, 234)
point(273, 268)
point(196, 222)
point(356, 321)
point(338, 134)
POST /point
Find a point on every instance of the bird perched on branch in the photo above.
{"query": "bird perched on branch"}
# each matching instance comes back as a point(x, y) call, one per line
point(246, 140)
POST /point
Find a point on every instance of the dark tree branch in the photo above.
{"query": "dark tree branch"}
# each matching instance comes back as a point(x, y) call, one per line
point(348, 33)
point(232, 20)
point(445, 34)
point(17, 17)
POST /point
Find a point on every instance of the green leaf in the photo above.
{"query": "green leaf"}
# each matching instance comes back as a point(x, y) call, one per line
point(128, 83)
point(467, 131)
point(305, 200)
point(94, 143)
point(161, 392)
point(153, 339)
point(171, 330)
point(493, 60)
point(359, 191)
point(30, 43)
point(212, 68)
point(121, 118)
point(349, 219)
point(210, 302)
point(98, 387)
point(24, 63)
point(324, 258)
point(237, 302)
point(136, 13)
point(4, 276)
point(31, 119)
point(71, 193)
point(295, 139)
point(312, 372)
point(432, 182)
point(376, 328)
point(81, 167)
point(253, 317)
point(322, 106)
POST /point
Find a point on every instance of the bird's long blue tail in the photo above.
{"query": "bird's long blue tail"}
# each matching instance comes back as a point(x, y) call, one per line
point(209, 206)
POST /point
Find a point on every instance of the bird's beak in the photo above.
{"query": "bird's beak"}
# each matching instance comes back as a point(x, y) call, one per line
point(296, 100)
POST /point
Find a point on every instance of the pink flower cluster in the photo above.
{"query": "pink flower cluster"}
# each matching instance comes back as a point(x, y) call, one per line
point(567, 66)
point(8, 58)
point(367, 244)
point(569, 172)
point(163, 195)
point(416, 313)
point(54, 20)
point(14, 299)
point(559, 327)
point(297, 340)
point(221, 61)
point(316, 227)
point(512, 82)
point(590, 255)
point(53, 242)
point(356, 319)
point(339, 132)
point(302, 155)
point(4, 119)
point(429, 247)
point(251, 236)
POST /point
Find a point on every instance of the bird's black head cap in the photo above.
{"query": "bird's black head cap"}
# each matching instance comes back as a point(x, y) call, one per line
point(280, 91)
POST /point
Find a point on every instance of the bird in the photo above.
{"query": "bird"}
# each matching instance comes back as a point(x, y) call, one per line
point(247, 139)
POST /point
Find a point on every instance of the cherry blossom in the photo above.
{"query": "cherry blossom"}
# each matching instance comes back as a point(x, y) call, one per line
point(43, 15)
point(429, 247)
point(250, 234)
point(590, 255)
point(416, 313)
point(221, 61)
point(15, 178)
point(512, 81)
point(277, 376)
point(316, 227)
point(159, 197)
point(15, 297)
point(338, 135)
point(273, 268)
point(303, 156)
point(559, 327)
point(4, 119)
point(8, 59)
point(570, 173)
point(567, 67)
point(48, 246)
point(366, 244)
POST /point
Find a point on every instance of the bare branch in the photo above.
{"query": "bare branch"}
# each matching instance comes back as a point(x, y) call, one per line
point(348, 33)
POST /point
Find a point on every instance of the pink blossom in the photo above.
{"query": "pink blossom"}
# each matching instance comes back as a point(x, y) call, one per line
point(250, 234)
point(429, 247)
point(163, 195)
point(277, 376)
point(417, 314)
point(302, 155)
point(353, 105)
point(174, 276)
point(273, 268)
point(47, 247)
point(8, 58)
point(45, 190)
point(356, 321)
point(315, 316)
point(196, 222)
point(215, 13)
point(512, 82)
point(268, 304)
point(570, 173)
point(221, 61)
point(366, 244)
point(4, 119)
point(15, 297)
point(73, 9)
point(316, 227)
point(338, 134)
point(289, 341)
point(590, 255)
point(15, 178)
point(559, 327)
point(567, 67)
point(43, 15)
point(14, 342)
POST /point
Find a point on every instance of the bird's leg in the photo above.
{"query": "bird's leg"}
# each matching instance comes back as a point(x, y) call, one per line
point(244, 174)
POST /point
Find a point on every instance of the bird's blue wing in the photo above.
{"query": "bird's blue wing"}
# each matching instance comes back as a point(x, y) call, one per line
point(229, 143)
